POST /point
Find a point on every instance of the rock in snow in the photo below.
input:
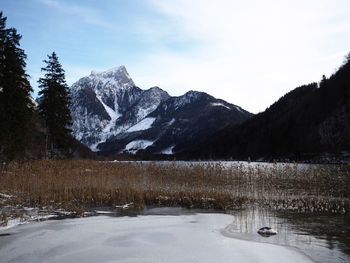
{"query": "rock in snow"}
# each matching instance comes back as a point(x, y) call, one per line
point(267, 231)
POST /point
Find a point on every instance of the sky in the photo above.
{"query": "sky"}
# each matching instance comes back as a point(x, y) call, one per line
point(248, 53)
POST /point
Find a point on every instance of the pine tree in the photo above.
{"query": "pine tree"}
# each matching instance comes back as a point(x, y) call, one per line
point(16, 106)
point(53, 106)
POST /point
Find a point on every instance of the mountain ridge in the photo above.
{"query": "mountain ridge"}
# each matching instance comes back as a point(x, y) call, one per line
point(110, 113)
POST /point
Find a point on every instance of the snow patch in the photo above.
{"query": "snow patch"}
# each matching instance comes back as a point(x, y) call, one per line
point(126, 206)
point(33, 101)
point(114, 115)
point(13, 222)
point(168, 150)
point(215, 104)
point(142, 125)
point(134, 146)
point(5, 196)
point(238, 108)
point(171, 122)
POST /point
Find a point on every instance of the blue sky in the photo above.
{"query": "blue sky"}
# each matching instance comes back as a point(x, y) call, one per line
point(247, 52)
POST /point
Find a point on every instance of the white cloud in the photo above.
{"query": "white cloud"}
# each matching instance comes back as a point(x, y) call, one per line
point(247, 52)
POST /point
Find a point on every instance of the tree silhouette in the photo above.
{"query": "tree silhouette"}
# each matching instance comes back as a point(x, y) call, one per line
point(16, 106)
point(53, 106)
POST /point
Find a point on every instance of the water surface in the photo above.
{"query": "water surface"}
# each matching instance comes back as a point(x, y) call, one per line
point(323, 237)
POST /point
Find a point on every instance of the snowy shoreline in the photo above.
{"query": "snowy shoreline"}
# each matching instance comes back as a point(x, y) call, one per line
point(150, 238)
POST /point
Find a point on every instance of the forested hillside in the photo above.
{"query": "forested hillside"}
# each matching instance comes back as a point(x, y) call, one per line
point(309, 121)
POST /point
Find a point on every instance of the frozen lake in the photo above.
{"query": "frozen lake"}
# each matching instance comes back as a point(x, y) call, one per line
point(121, 233)
point(145, 238)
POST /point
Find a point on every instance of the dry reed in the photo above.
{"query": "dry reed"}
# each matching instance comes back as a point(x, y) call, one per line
point(77, 185)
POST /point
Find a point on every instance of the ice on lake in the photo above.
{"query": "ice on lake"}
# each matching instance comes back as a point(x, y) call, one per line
point(145, 238)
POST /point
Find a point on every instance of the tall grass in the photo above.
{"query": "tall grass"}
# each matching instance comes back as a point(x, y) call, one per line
point(71, 184)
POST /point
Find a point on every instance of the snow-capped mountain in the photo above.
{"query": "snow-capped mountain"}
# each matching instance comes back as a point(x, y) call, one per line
point(108, 103)
point(111, 114)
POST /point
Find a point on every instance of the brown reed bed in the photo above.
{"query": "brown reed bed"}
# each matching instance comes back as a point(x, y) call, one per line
point(77, 185)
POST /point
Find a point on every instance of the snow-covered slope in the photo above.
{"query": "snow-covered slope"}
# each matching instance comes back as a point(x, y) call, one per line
point(177, 124)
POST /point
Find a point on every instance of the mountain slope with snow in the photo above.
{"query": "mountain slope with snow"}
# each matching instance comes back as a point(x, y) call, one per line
point(111, 114)
point(108, 103)
point(178, 123)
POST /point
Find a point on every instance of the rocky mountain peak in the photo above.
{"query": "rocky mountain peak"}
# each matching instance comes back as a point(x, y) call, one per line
point(119, 74)
point(105, 82)
point(107, 103)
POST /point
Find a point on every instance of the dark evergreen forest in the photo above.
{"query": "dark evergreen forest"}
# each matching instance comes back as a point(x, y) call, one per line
point(28, 130)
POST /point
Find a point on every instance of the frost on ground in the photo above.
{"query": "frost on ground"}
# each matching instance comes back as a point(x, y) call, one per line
point(14, 216)
point(15, 221)
point(185, 238)
point(11, 216)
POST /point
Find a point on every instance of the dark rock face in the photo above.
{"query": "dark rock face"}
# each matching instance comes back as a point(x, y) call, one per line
point(111, 114)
